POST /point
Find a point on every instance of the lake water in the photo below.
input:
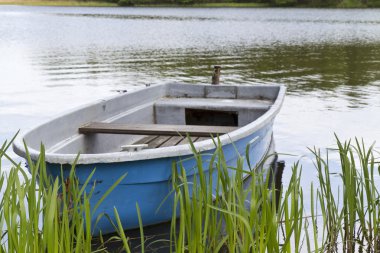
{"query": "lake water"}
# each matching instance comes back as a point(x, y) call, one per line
point(55, 58)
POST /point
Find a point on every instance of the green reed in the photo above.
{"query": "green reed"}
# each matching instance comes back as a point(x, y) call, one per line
point(218, 214)
point(42, 214)
point(218, 210)
point(349, 224)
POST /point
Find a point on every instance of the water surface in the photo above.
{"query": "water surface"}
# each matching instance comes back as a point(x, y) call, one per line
point(53, 59)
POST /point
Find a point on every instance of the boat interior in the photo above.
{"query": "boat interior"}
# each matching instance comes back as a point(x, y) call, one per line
point(155, 117)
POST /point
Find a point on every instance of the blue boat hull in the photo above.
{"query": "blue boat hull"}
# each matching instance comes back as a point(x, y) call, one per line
point(149, 182)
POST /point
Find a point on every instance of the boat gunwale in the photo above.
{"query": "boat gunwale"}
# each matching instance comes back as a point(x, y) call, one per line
point(162, 152)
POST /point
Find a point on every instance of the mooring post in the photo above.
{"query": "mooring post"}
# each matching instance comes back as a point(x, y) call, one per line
point(216, 75)
point(280, 166)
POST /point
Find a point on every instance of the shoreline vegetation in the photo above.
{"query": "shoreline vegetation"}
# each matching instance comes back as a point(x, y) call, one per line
point(201, 3)
point(344, 215)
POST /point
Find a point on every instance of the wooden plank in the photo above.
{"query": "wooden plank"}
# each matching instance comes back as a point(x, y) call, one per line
point(186, 140)
point(156, 143)
point(202, 139)
point(174, 140)
point(154, 129)
point(146, 139)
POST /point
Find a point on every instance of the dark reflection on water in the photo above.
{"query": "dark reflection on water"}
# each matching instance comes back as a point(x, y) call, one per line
point(224, 18)
point(326, 21)
point(334, 70)
point(136, 17)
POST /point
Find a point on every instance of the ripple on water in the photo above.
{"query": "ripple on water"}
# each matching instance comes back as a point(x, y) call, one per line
point(54, 59)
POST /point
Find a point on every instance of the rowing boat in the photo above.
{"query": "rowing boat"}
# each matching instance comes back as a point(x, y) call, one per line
point(143, 132)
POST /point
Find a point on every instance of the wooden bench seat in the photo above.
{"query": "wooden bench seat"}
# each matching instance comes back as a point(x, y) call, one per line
point(154, 129)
